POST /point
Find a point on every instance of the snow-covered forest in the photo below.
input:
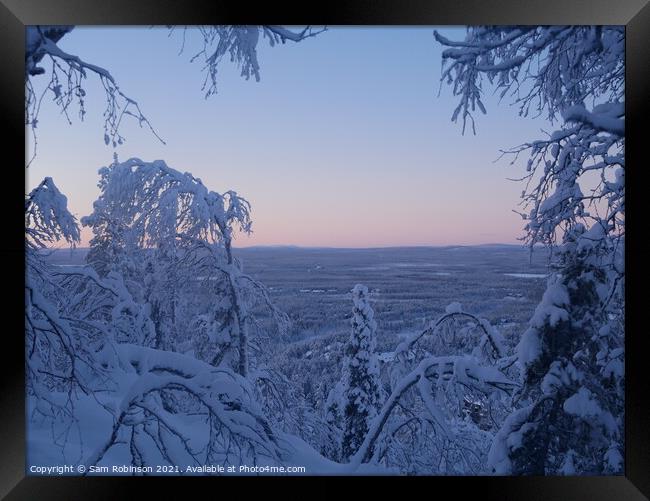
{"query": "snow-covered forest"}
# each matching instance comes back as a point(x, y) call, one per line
point(162, 353)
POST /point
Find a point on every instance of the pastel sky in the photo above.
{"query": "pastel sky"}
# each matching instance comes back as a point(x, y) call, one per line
point(344, 142)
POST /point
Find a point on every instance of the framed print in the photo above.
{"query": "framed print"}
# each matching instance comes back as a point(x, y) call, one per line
point(386, 241)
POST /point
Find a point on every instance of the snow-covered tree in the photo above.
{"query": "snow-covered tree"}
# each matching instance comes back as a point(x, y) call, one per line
point(573, 368)
point(72, 316)
point(173, 215)
point(51, 346)
point(570, 415)
point(360, 391)
point(87, 341)
point(47, 219)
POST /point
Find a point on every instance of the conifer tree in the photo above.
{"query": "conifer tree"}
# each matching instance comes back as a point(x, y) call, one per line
point(572, 362)
point(361, 387)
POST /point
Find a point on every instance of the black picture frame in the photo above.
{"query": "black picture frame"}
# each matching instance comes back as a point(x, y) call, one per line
point(634, 14)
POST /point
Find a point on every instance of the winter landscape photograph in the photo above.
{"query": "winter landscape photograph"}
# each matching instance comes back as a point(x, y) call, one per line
point(325, 250)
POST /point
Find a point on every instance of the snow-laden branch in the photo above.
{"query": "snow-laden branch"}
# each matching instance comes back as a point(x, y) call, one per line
point(465, 370)
point(285, 34)
point(433, 329)
point(223, 394)
point(47, 219)
point(162, 202)
point(66, 83)
point(68, 71)
point(240, 43)
point(575, 178)
point(546, 68)
point(603, 118)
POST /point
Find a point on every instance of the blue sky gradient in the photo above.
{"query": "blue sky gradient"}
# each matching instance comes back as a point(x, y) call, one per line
point(344, 142)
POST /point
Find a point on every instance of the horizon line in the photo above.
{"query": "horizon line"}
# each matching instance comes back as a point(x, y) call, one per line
point(311, 247)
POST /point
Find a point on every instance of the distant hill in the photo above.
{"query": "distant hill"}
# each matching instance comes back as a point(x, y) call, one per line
point(388, 248)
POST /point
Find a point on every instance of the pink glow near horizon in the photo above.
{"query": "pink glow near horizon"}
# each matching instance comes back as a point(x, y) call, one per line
point(333, 147)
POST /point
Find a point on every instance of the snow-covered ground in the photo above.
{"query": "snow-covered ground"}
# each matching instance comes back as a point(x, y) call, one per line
point(526, 275)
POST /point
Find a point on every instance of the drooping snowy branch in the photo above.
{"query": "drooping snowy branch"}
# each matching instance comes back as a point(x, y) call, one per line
point(545, 68)
point(557, 69)
point(490, 337)
point(61, 335)
point(441, 394)
point(560, 70)
point(463, 370)
point(47, 218)
point(68, 72)
point(67, 76)
point(572, 379)
point(236, 431)
point(240, 44)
